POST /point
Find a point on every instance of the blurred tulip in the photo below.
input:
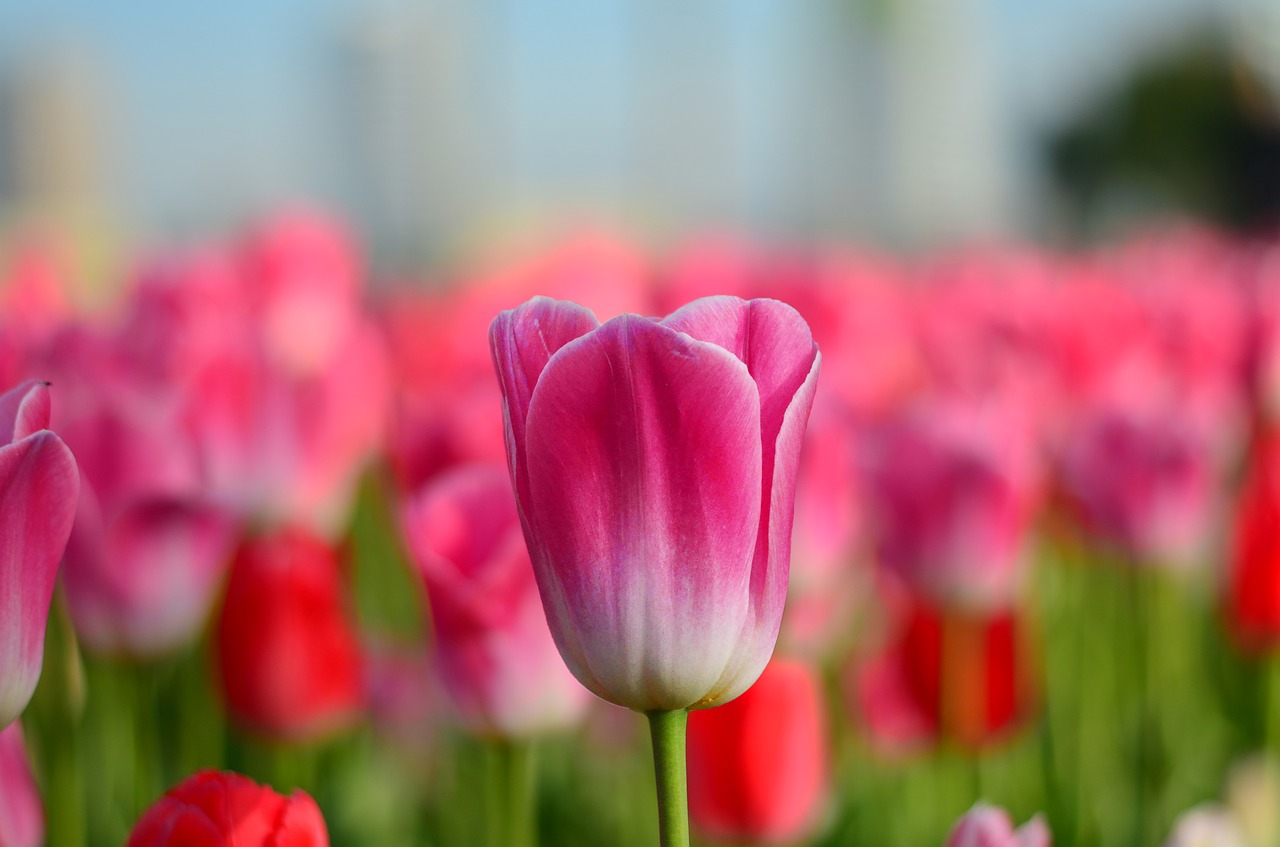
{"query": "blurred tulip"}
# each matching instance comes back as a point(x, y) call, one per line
point(38, 490)
point(654, 466)
point(945, 674)
point(758, 771)
point(1144, 476)
point(1253, 591)
point(826, 574)
point(492, 645)
point(21, 813)
point(212, 809)
point(148, 549)
point(1206, 826)
point(988, 826)
point(952, 489)
point(289, 662)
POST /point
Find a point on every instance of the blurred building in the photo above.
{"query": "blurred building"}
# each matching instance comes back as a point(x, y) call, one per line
point(778, 118)
point(52, 138)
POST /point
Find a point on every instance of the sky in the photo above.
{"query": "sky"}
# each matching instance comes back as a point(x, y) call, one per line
point(211, 97)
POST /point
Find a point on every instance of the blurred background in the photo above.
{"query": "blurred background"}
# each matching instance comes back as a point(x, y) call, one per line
point(436, 127)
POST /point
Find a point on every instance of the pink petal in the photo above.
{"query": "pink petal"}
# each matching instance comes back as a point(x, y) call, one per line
point(24, 409)
point(39, 485)
point(983, 826)
point(775, 344)
point(522, 341)
point(644, 474)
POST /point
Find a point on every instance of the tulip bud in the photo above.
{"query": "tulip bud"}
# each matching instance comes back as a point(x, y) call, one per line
point(654, 467)
point(289, 661)
point(493, 649)
point(988, 826)
point(21, 813)
point(215, 809)
point(758, 770)
point(39, 486)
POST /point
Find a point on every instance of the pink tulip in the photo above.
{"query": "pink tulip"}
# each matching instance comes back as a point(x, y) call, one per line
point(988, 826)
point(148, 548)
point(493, 648)
point(38, 490)
point(654, 466)
point(1144, 475)
point(826, 569)
point(21, 812)
point(952, 489)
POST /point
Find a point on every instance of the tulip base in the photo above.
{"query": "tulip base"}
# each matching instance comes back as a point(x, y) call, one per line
point(667, 731)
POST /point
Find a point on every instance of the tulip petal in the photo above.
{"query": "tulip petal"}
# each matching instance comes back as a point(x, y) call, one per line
point(39, 485)
point(522, 341)
point(24, 409)
point(644, 473)
point(21, 812)
point(775, 344)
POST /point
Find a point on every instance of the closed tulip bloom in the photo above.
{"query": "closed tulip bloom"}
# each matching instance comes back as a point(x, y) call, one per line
point(492, 646)
point(988, 826)
point(39, 485)
point(212, 809)
point(758, 766)
point(288, 657)
point(21, 813)
point(654, 466)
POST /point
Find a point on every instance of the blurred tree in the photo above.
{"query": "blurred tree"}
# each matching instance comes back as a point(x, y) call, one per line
point(1190, 131)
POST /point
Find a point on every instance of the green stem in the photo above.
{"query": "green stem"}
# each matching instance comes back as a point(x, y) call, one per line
point(521, 813)
point(667, 730)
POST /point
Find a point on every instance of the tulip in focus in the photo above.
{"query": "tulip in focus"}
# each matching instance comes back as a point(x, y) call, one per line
point(39, 486)
point(758, 771)
point(288, 658)
point(654, 467)
point(988, 826)
point(493, 649)
point(212, 809)
point(21, 813)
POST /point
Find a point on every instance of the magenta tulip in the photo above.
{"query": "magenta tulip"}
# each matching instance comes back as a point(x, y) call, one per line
point(493, 650)
point(39, 485)
point(988, 826)
point(654, 465)
point(21, 812)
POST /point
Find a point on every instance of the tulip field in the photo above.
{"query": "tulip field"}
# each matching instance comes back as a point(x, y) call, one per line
point(713, 543)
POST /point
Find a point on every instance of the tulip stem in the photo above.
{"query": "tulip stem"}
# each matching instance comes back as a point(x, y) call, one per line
point(519, 774)
point(667, 730)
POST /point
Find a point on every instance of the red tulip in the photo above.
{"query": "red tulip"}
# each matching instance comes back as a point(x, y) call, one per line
point(492, 645)
point(39, 486)
point(21, 813)
point(212, 809)
point(654, 465)
point(952, 675)
point(1253, 595)
point(988, 826)
point(289, 661)
point(758, 770)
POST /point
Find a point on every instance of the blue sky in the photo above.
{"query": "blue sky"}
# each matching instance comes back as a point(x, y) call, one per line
point(210, 94)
